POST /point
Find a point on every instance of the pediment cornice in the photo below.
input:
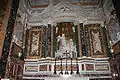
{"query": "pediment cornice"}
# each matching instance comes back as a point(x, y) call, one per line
point(64, 12)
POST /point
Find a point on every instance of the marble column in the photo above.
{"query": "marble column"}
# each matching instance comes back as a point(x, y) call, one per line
point(8, 36)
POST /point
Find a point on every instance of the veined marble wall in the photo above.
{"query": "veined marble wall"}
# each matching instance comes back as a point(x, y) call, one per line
point(4, 15)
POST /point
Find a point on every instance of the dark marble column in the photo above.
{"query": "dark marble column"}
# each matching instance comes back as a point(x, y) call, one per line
point(76, 40)
point(116, 4)
point(54, 41)
point(26, 44)
point(8, 36)
point(49, 40)
point(108, 53)
point(82, 37)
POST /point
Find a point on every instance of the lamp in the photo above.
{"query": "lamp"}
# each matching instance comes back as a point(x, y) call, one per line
point(66, 71)
point(61, 66)
point(55, 67)
point(71, 68)
point(66, 65)
point(77, 67)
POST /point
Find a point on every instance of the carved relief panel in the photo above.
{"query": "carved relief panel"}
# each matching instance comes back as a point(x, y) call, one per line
point(94, 40)
point(35, 43)
point(97, 45)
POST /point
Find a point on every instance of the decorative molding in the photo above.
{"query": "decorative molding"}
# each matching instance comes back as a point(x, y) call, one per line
point(41, 67)
point(65, 12)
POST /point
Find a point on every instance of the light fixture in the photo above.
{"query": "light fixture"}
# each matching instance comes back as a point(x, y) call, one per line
point(19, 54)
point(112, 50)
point(115, 74)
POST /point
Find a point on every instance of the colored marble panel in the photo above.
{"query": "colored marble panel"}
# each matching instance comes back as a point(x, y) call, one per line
point(101, 67)
point(31, 68)
point(89, 67)
point(43, 68)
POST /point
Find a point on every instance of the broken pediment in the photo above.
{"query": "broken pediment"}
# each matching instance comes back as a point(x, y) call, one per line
point(63, 11)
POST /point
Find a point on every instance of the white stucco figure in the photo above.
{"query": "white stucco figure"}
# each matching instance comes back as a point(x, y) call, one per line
point(71, 45)
point(63, 40)
point(35, 44)
point(65, 46)
point(96, 42)
point(118, 35)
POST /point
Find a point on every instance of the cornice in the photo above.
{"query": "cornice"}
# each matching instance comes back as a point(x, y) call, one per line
point(65, 12)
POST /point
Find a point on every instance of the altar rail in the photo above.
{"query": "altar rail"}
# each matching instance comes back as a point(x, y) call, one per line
point(87, 67)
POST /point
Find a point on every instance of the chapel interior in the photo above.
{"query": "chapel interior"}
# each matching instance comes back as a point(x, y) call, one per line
point(60, 40)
